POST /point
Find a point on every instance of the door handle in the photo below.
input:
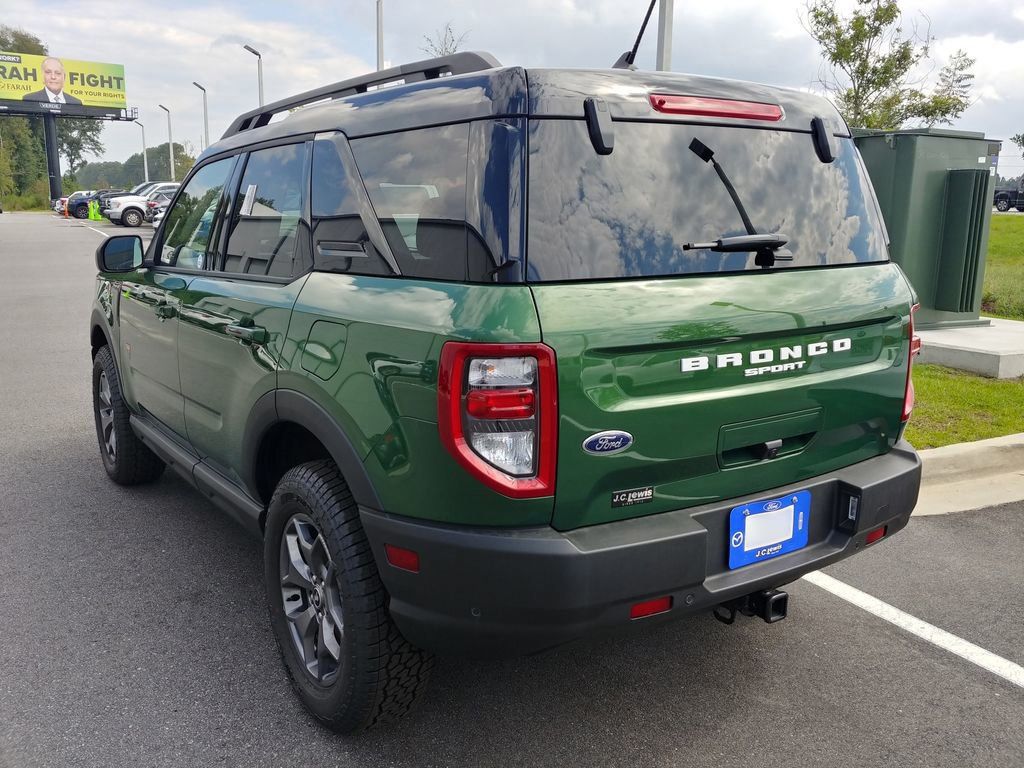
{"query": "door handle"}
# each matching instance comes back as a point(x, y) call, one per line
point(254, 334)
point(164, 310)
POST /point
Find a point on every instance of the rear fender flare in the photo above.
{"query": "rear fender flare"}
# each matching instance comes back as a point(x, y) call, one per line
point(286, 405)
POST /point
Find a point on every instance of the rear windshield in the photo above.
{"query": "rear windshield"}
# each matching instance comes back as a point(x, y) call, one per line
point(630, 213)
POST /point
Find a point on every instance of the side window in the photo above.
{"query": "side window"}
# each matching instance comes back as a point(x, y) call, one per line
point(340, 240)
point(189, 222)
point(417, 184)
point(268, 236)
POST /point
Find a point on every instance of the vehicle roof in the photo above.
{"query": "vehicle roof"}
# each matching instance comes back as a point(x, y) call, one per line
point(521, 92)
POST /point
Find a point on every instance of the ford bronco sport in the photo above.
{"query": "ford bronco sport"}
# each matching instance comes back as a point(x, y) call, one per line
point(498, 358)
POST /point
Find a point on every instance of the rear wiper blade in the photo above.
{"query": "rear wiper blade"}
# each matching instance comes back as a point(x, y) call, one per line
point(741, 243)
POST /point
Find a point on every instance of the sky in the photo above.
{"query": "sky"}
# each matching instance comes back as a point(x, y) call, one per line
point(165, 46)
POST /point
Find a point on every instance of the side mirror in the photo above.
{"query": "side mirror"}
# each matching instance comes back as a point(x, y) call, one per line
point(119, 254)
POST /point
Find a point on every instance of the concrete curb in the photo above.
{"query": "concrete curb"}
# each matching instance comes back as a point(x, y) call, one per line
point(966, 476)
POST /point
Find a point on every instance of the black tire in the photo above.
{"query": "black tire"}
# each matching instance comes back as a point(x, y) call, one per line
point(131, 218)
point(1002, 205)
point(126, 458)
point(81, 211)
point(375, 675)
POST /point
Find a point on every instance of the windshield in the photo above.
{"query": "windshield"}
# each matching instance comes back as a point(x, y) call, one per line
point(630, 213)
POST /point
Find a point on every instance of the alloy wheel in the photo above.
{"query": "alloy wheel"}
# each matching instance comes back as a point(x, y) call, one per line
point(311, 599)
point(105, 408)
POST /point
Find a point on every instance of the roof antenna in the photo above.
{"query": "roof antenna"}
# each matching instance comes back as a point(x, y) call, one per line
point(626, 60)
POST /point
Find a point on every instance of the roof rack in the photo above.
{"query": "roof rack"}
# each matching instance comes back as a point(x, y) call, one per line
point(455, 64)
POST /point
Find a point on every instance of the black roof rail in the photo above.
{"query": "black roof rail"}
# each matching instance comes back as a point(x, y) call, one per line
point(454, 64)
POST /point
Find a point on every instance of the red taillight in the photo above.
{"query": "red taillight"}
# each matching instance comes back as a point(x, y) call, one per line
point(876, 534)
point(400, 557)
point(498, 414)
point(671, 104)
point(915, 349)
point(651, 607)
point(500, 403)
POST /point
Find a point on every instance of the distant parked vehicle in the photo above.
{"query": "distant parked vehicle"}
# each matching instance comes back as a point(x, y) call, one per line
point(74, 199)
point(130, 210)
point(1010, 196)
point(80, 206)
point(158, 201)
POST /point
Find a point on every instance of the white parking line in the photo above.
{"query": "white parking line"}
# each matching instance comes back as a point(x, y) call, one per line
point(97, 231)
point(1005, 668)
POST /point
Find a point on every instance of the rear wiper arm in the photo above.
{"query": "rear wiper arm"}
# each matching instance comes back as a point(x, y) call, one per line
point(743, 243)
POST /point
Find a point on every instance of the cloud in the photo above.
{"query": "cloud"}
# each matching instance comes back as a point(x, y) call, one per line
point(308, 43)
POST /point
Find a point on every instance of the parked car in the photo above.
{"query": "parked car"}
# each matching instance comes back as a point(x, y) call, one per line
point(139, 189)
point(80, 205)
point(60, 204)
point(1010, 196)
point(74, 202)
point(158, 201)
point(501, 360)
point(130, 210)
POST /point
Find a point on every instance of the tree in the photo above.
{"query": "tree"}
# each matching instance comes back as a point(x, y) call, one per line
point(444, 42)
point(76, 138)
point(873, 67)
point(1018, 140)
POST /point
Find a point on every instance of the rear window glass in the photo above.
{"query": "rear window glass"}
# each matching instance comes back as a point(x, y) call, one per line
point(629, 214)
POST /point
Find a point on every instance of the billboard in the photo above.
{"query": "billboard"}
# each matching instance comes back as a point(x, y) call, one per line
point(36, 84)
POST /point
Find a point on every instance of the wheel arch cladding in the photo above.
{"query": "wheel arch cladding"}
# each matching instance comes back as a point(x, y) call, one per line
point(287, 428)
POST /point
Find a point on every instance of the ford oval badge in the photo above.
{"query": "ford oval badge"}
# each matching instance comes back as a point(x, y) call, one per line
point(771, 506)
point(606, 443)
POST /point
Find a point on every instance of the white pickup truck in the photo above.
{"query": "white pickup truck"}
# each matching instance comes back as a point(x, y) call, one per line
point(130, 210)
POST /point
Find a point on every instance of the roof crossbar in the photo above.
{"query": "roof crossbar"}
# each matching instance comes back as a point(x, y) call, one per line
point(459, 63)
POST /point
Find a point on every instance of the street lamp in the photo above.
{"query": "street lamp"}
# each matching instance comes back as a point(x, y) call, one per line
point(259, 67)
point(206, 117)
point(170, 141)
point(145, 161)
point(380, 35)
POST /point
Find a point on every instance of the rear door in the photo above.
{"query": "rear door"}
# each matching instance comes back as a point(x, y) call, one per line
point(715, 377)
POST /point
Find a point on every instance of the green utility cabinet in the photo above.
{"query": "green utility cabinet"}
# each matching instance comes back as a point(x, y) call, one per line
point(935, 189)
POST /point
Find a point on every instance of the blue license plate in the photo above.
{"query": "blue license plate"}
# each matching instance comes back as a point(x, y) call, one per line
point(762, 530)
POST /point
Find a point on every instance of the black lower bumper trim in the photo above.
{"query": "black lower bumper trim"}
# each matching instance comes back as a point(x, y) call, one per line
point(500, 592)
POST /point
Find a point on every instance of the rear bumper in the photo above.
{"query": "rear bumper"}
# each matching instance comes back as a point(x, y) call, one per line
point(501, 592)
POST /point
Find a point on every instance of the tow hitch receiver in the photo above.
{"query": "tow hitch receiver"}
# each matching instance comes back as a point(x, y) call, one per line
point(770, 605)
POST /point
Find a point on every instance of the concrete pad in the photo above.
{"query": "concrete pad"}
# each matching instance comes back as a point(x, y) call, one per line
point(967, 476)
point(996, 351)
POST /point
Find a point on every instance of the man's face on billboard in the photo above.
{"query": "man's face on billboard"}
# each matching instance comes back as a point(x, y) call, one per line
point(53, 75)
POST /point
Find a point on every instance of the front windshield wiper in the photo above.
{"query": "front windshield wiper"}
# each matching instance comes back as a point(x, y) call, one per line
point(765, 246)
point(742, 243)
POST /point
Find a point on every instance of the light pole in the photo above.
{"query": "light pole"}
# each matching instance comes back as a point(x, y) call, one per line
point(259, 67)
point(380, 35)
point(145, 161)
point(665, 13)
point(206, 117)
point(170, 141)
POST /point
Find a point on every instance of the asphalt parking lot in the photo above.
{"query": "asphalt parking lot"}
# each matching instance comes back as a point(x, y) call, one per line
point(133, 629)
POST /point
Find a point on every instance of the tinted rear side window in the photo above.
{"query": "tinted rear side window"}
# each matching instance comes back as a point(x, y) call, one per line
point(629, 214)
point(341, 242)
point(417, 185)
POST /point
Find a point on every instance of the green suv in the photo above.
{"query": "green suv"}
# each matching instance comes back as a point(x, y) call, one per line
point(494, 359)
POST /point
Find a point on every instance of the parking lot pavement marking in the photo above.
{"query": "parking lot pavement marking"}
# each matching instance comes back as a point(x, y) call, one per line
point(97, 231)
point(1005, 668)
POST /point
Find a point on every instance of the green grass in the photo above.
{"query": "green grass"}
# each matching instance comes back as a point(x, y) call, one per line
point(1004, 275)
point(957, 407)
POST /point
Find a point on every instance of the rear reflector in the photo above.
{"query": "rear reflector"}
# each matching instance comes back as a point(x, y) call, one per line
point(876, 534)
point(670, 104)
point(406, 559)
point(651, 607)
